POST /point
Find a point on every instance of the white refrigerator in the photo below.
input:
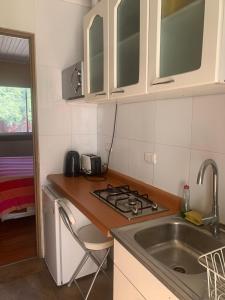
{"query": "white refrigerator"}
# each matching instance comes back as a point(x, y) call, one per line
point(62, 252)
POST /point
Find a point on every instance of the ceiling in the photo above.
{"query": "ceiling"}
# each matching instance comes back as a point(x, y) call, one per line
point(14, 49)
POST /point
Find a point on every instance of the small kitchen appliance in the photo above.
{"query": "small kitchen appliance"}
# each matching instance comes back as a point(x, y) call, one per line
point(72, 82)
point(72, 164)
point(62, 253)
point(128, 202)
point(91, 164)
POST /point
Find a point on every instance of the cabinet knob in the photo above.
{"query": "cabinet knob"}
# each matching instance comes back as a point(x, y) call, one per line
point(118, 92)
point(100, 94)
point(163, 81)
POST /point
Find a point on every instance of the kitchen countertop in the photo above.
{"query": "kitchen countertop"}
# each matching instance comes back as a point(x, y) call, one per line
point(77, 190)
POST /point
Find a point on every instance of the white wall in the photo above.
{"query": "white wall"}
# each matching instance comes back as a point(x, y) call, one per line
point(18, 15)
point(62, 125)
point(57, 26)
point(182, 133)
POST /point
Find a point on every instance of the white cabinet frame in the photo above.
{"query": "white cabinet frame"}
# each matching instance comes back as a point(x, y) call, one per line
point(141, 86)
point(102, 10)
point(208, 73)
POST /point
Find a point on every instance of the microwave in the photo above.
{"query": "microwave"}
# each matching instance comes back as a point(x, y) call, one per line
point(72, 82)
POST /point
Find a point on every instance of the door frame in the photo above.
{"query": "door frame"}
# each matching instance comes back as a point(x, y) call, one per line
point(31, 39)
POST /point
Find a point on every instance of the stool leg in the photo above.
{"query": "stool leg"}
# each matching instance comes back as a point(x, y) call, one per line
point(78, 269)
point(96, 261)
point(96, 274)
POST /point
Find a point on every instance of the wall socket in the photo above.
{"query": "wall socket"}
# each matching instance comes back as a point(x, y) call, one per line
point(150, 157)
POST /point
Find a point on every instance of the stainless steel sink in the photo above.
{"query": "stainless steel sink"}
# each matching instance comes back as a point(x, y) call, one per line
point(169, 247)
point(177, 245)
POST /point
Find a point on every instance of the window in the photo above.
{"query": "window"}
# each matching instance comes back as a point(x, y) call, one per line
point(15, 110)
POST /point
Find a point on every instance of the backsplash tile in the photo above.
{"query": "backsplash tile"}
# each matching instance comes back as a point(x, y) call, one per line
point(182, 133)
point(137, 166)
point(84, 143)
point(173, 122)
point(119, 160)
point(172, 168)
point(84, 119)
point(209, 123)
point(142, 121)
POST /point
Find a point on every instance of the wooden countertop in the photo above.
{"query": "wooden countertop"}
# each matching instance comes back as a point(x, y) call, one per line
point(77, 190)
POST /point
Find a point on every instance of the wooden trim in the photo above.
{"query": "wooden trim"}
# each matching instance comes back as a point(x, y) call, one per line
point(31, 38)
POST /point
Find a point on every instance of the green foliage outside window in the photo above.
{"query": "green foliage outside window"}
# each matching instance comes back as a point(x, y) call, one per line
point(15, 110)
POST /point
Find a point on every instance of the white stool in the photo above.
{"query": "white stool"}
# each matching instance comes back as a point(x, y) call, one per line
point(90, 239)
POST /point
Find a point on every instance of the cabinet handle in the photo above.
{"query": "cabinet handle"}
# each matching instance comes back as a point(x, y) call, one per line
point(163, 81)
point(100, 94)
point(118, 92)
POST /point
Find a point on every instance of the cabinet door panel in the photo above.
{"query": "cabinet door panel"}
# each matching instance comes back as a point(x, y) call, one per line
point(96, 52)
point(181, 36)
point(184, 37)
point(128, 46)
point(128, 42)
point(123, 289)
point(96, 55)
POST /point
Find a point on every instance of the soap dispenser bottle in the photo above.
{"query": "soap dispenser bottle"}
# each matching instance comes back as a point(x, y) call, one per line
point(185, 205)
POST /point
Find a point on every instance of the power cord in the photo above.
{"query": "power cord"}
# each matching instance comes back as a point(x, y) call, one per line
point(104, 173)
point(112, 141)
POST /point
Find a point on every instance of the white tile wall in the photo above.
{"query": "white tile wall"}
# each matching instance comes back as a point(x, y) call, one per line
point(172, 168)
point(63, 125)
point(182, 133)
point(173, 122)
point(209, 123)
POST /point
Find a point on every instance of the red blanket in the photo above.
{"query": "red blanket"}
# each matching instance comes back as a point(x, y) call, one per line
point(16, 194)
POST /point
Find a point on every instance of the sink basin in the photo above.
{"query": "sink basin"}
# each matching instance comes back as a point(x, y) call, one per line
point(177, 245)
point(169, 247)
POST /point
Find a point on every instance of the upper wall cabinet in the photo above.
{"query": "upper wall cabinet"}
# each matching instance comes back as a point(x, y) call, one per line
point(184, 43)
point(154, 48)
point(96, 52)
point(128, 25)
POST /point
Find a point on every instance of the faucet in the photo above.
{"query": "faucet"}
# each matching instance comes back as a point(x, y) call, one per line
point(213, 219)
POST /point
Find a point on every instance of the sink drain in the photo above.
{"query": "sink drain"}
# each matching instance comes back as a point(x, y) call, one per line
point(179, 269)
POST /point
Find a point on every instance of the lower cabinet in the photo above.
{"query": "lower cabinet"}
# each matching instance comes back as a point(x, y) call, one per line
point(123, 289)
point(133, 281)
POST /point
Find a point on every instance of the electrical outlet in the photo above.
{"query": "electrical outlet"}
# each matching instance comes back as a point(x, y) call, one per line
point(150, 157)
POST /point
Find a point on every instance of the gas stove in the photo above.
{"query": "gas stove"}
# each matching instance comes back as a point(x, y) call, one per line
point(128, 202)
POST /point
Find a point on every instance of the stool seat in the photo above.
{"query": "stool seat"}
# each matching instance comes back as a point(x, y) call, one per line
point(93, 239)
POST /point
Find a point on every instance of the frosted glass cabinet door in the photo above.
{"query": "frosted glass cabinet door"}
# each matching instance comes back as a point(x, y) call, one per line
point(181, 36)
point(96, 55)
point(96, 52)
point(128, 46)
point(184, 35)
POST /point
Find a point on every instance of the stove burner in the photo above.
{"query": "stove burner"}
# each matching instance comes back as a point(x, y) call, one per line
point(126, 201)
point(132, 201)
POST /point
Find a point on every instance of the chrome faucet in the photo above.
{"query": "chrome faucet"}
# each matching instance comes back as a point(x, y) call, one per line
point(213, 219)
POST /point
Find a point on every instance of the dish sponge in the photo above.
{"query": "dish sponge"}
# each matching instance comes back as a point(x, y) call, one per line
point(194, 217)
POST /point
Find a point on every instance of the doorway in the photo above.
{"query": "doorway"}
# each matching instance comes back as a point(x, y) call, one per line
point(19, 181)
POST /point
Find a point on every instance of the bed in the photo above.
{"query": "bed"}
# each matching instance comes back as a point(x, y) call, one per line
point(16, 187)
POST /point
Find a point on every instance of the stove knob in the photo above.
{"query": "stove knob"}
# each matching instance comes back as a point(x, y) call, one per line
point(154, 206)
point(134, 210)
